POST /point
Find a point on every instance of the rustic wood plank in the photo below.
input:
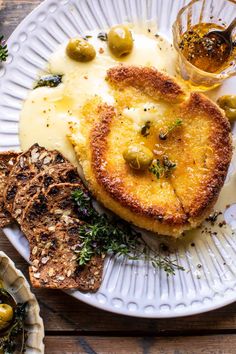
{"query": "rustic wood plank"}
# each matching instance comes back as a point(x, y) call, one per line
point(12, 12)
point(63, 313)
point(151, 345)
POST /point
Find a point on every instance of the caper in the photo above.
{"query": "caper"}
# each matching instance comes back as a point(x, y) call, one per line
point(80, 50)
point(6, 315)
point(120, 40)
point(138, 157)
point(228, 104)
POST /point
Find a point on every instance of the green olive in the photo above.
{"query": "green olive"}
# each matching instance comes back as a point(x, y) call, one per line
point(138, 157)
point(228, 104)
point(80, 50)
point(6, 315)
point(120, 40)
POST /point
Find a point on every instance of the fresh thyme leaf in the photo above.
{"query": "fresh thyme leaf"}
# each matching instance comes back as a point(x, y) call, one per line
point(87, 36)
point(168, 165)
point(102, 36)
point(3, 49)
point(145, 130)
point(162, 169)
point(172, 126)
point(8, 342)
point(157, 169)
point(84, 205)
point(101, 235)
point(104, 236)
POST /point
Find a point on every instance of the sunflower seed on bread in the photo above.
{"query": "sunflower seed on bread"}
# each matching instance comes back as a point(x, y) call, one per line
point(27, 165)
point(54, 259)
point(48, 208)
point(63, 172)
point(7, 161)
point(38, 186)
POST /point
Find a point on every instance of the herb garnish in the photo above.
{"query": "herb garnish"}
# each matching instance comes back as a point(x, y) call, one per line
point(145, 130)
point(8, 342)
point(162, 168)
point(84, 205)
point(3, 49)
point(49, 81)
point(87, 36)
point(101, 235)
point(172, 126)
point(104, 236)
point(102, 36)
point(168, 165)
point(157, 169)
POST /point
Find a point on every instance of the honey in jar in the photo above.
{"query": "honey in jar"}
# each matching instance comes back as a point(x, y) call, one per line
point(206, 51)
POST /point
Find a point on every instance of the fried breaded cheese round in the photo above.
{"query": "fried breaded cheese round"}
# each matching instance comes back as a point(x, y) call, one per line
point(188, 136)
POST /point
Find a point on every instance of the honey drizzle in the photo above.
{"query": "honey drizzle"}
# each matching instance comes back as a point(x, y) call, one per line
point(207, 53)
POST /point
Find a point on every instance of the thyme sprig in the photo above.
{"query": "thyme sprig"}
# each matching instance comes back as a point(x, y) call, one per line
point(162, 168)
point(156, 259)
point(157, 169)
point(102, 36)
point(177, 123)
point(101, 235)
point(3, 49)
point(85, 208)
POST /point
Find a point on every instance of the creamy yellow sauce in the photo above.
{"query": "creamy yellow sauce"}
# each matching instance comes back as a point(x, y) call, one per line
point(47, 111)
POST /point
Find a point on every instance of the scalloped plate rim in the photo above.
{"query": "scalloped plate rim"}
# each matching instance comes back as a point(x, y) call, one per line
point(187, 310)
point(26, 285)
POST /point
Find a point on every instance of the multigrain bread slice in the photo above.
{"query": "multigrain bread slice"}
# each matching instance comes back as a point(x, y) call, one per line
point(62, 173)
point(27, 165)
point(47, 209)
point(7, 161)
point(40, 183)
point(54, 255)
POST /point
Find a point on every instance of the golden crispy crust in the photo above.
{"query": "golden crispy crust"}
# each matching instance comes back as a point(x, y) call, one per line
point(221, 142)
point(148, 80)
point(167, 206)
point(209, 189)
point(98, 141)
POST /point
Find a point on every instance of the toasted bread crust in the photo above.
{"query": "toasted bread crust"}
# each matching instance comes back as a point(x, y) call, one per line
point(148, 80)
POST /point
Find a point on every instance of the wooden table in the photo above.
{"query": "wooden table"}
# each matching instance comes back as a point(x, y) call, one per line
point(74, 327)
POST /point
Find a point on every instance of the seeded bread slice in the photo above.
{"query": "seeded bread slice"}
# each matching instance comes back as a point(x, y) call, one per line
point(54, 260)
point(27, 165)
point(53, 255)
point(47, 209)
point(7, 161)
point(64, 172)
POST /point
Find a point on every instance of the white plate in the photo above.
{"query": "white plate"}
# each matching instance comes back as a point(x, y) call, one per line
point(131, 288)
point(17, 285)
